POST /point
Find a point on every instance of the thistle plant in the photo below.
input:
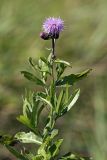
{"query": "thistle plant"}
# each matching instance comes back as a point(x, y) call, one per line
point(55, 96)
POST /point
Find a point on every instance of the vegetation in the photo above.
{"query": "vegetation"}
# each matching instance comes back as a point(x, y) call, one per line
point(57, 104)
point(83, 41)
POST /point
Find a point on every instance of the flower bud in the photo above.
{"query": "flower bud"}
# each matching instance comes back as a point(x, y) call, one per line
point(44, 36)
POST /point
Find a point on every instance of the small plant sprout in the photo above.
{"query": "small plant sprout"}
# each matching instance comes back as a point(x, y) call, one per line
point(49, 74)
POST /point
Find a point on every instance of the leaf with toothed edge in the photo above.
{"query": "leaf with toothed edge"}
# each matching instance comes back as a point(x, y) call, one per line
point(72, 78)
point(29, 137)
point(32, 78)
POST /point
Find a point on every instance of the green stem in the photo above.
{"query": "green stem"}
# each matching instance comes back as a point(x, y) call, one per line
point(51, 114)
point(53, 58)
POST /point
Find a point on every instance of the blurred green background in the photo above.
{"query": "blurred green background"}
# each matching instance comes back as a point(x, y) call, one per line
point(83, 42)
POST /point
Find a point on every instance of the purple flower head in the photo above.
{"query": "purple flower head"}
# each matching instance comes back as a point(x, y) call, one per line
point(53, 26)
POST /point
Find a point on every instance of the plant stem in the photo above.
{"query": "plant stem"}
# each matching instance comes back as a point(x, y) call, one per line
point(53, 48)
point(53, 57)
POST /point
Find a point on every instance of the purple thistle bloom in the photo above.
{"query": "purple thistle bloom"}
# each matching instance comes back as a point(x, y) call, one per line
point(53, 26)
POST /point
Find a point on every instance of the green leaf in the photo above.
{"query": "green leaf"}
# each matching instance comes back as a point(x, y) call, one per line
point(44, 100)
point(32, 63)
point(72, 100)
point(32, 109)
point(46, 144)
point(52, 94)
point(59, 101)
point(27, 108)
point(26, 121)
point(42, 150)
point(44, 60)
point(38, 113)
point(54, 133)
point(29, 137)
point(66, 93)
point(54, 149)
point(49, 59)
point(7, 139)
point(33, 78)
point(70, 156)
point(60, 68)
point(16, 153)
point(36, 105)
point(44, 65)
point(47, 127)
point(72, 78)
point(63, 62)
point(38, 157)
point(29, 155)
point(74, 97)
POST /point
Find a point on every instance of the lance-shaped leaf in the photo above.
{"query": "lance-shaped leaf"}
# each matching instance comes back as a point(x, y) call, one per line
point(16, 153)
point(71, 156)
point(54, 149)
point(54, 133)
point(63, 62)
point(27, 107)
point(44, 100)
point(72, 100)
point(26, 121)
point(45, 61)
point(38, 113)
point(32, 78)
point(29, 137)
point(52, 95)
point(74, 97)
point(72, 78)
point(32, 63)
point(44, 65)
point(60, 100)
